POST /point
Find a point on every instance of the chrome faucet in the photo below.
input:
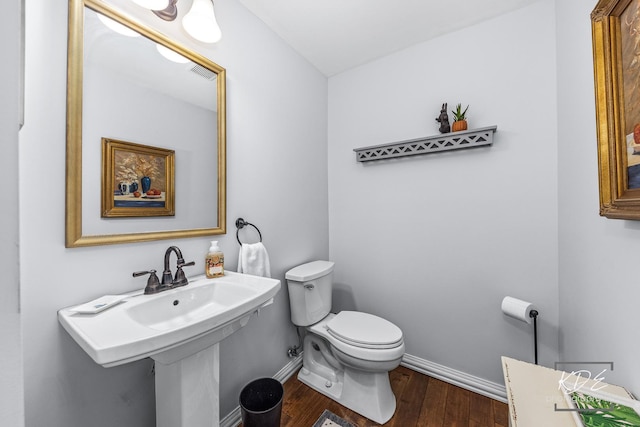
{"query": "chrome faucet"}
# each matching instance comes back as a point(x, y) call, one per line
point(180, 279)
point(168, 282)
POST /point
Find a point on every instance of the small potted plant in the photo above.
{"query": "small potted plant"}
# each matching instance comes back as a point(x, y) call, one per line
point(459, 118)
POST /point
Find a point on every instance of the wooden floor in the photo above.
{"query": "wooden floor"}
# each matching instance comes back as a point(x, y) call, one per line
point(421, 401)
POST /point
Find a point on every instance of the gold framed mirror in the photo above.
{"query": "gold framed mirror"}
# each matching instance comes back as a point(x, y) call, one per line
point(109, 99)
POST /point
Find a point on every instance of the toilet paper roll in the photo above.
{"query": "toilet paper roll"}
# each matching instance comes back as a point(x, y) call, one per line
point(517, 309)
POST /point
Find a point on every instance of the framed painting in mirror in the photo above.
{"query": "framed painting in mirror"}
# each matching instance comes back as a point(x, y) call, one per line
point(137, 180)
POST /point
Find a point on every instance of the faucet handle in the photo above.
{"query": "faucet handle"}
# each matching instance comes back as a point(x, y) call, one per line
point(181, 279)
point(153, 283)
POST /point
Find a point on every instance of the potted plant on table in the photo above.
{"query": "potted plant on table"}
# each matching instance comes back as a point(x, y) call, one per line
point(459, 118)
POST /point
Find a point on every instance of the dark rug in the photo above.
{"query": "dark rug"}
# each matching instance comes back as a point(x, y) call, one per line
point(329, 419)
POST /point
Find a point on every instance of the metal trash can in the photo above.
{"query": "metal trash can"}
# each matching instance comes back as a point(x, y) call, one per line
point(261, 403)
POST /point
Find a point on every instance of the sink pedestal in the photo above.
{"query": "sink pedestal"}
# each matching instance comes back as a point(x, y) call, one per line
point(187, 390)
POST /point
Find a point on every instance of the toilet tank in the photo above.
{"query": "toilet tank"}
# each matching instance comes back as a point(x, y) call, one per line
point(310, 292)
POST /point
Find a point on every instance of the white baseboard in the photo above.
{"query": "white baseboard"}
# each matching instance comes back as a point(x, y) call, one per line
point(458, 378)
point(289, 369)
point(234, 418)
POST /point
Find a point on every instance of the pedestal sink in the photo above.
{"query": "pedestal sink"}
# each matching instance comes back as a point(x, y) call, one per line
point(180, 329)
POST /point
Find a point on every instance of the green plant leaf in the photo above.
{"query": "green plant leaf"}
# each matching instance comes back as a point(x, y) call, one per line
point(602, 413)
point(458, 114)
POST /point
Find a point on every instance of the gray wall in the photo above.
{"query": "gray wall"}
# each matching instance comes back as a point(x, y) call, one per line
point(598, 257)
point(11, 388)
point(277, 169)
point(435, 242)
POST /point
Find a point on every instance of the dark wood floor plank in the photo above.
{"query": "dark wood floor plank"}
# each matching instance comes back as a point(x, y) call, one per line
point(293, 393)
point(480, 410)
point(500, 413)
point(409, 401)
point(456, 412)
point(434, 404)
point(422, 401)
point(399, 378)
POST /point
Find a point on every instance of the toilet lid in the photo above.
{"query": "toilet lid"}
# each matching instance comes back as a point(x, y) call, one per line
point(364, 330)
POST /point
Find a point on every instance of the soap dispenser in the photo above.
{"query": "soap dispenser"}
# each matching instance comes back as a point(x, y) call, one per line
point(214, 263)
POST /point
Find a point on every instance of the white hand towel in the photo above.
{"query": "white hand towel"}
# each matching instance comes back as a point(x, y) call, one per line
point(254, 259)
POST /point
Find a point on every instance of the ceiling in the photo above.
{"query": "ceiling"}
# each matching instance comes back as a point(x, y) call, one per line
point(336, 35)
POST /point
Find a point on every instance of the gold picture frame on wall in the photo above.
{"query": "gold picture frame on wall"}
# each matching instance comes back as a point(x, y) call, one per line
point(616, 54)
point(137, 180)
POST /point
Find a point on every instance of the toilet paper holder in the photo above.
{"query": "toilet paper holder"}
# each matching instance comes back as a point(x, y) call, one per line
point(525, 312)
point(534, 315)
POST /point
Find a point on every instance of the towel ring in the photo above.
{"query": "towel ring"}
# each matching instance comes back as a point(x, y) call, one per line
point(240, 224)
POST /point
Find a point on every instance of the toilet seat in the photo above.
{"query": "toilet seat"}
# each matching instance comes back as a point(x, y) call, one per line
point(354, 347)
point(364, 330)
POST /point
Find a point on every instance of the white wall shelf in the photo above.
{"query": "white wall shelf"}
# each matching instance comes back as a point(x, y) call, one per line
point(430, 144)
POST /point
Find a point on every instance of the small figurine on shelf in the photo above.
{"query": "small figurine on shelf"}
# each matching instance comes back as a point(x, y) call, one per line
point(443, 119)
point(459, 118)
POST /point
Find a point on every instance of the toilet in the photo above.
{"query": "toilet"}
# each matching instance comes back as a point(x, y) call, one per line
point(348, 355)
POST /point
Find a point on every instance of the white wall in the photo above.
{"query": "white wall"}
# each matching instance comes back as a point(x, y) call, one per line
point(599, 288)
point(277, 168)
point(11, 388)
point(433, 243)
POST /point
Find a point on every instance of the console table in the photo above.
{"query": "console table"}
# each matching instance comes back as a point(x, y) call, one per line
point(535, 397)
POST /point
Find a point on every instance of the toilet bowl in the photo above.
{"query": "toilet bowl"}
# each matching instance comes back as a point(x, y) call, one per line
point(347, 356)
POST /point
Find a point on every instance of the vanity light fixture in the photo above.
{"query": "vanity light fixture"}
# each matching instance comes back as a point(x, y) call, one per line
point(169, 13)
point(152, 4)
point(200, 23)
point(117, 27)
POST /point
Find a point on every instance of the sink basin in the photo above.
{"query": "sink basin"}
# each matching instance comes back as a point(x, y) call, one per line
point(187, 305)
point(173, 324)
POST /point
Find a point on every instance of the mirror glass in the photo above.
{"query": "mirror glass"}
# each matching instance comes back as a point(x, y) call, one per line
point(137, 86)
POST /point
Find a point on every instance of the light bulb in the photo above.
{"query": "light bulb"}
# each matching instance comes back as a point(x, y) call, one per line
point(152, 4)
point(200, 23)
point(171, 55)
point(117, 27)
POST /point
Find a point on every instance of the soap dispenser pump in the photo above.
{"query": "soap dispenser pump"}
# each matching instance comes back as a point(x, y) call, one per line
point(214, 263)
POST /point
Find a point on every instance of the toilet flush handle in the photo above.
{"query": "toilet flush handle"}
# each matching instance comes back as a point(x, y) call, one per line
point(309, 286)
